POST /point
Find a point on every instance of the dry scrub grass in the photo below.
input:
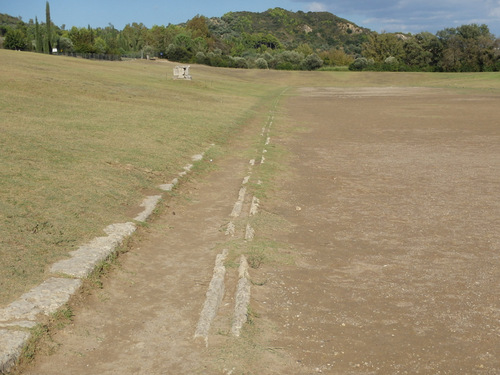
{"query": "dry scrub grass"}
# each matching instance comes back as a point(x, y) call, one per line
point(82, 141)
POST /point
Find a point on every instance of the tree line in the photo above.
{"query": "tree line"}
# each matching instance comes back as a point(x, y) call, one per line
point(467, 48)
point(282, 42)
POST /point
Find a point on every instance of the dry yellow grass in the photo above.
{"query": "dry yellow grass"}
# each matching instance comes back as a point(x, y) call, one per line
point(82, 141)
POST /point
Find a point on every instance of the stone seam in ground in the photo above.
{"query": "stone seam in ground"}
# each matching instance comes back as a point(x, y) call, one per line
point(215, 290)
point(52, 294)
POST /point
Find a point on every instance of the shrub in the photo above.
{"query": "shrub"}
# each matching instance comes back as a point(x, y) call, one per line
point(286, 66)
point(287, 60)
point(239, 62)
point(201, 58)
point(267, 56)
point(177, 53)
point(217, 60)
point(292, 57)
point(15, 39)
point(312, 62)
point(261, 63)
point(361, 63)
point(391, 64)
point(65, 45)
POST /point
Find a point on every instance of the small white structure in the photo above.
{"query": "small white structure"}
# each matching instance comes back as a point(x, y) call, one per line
point(182, 72)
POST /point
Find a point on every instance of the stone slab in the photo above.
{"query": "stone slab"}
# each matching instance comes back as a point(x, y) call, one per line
point(87, 257)
point(45, 299)
point(11, 345)
point(149, 205)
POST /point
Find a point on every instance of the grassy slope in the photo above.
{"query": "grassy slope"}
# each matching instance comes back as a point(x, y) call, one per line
point(81, 142)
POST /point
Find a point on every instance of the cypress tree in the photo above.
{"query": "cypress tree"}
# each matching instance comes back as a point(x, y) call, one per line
point(38, 37)
point(48, 41)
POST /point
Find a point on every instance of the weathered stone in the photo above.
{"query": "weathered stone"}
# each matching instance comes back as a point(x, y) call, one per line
point(18, 324)
point(86, 257)
point(239, 203)
point(255, 206)
point(242, 298)
point(182, 72)
point(45, 299)
point(11, 345)
point(167, 187)
point(214, 296)
point(149, 205)
point(249, 233)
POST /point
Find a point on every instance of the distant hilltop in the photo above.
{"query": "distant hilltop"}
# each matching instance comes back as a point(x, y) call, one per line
point(320, 30)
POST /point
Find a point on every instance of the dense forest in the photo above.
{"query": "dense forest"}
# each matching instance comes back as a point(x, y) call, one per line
point(274, 39)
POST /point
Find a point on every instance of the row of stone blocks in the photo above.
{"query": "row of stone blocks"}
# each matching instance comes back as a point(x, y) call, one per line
point(17, 318)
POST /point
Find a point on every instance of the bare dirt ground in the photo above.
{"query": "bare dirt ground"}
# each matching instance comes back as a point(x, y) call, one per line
point(383, 226)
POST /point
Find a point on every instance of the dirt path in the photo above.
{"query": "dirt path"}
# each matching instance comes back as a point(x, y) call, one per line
point(144, 318)
point(393, 196)
point(376, 249)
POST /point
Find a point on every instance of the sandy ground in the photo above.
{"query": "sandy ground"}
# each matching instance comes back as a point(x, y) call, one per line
point(388, 204)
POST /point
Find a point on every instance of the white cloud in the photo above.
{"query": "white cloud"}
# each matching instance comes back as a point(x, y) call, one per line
point(317, 7)
point(411, 15)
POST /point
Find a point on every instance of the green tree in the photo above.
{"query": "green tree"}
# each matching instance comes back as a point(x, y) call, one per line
point(336, 57)
point(110, 36)
point(361, 63)
point(381, 46)
point(287, 60)
point(261, 63)
point(15, 39)
point(65, 45)
point(201, 58)
point(468, 48)
point(38, 37)
point(198, 27)
point(160, 37)
point(312, 62)
point(100, 45)
point(133, 37)
point(48, 25)
point(82, 39)
point(304, 49)
point(183, 40)
point(181, 49)
point(239, 62)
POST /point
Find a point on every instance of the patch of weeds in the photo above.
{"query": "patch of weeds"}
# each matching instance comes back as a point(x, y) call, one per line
point(38, 333)
point(62, 317)
point(251, 315)
point(222, 332)
point(103, 268)
point(259, 283)
point(262, 251)
point(233, 264)
point(256, 258)
point(234, 252)
point(40, 340)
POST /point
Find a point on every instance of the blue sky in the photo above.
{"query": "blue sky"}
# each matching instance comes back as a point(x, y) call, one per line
point(379, 15)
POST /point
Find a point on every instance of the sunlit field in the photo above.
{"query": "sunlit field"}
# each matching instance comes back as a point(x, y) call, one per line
point(83, 142)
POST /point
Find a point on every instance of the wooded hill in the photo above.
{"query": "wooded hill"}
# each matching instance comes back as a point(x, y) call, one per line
point(276, 39)
point(320, 30)
point(7, 22)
